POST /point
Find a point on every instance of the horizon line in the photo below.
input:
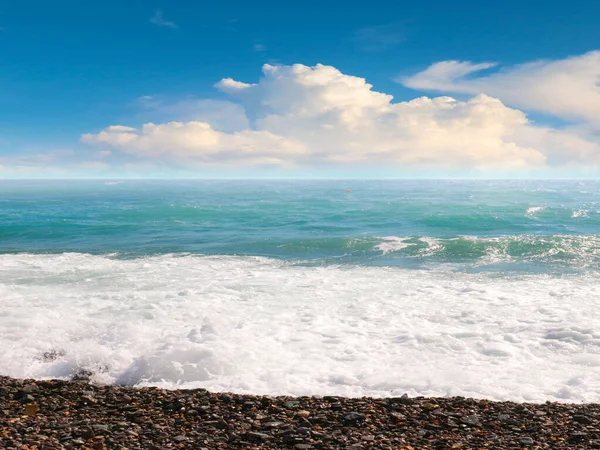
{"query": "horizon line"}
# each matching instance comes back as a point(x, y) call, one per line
point(299, 179)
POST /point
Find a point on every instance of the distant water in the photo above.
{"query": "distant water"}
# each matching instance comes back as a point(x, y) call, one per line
point(475, 288)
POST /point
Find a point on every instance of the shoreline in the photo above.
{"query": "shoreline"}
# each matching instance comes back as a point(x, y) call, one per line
point(56, 414)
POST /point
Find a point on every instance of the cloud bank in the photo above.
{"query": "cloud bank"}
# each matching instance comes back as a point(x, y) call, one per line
point(299, 117)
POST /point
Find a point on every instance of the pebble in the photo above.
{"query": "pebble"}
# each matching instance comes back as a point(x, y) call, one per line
point(259, 436)
point(578, 436)
point(353, 417)
point(471, 420)
point(404, 399)
point(273, 424)
point(582, 419)
point(430, 406)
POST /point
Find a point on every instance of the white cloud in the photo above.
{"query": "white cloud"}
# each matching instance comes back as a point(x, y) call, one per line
point(157, 19)
point(199, 143)
point(567, 88)
point(229, 85)
point(307, 117)
point(120, 128)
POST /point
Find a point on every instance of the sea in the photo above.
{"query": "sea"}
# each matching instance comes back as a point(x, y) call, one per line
point(475, 288)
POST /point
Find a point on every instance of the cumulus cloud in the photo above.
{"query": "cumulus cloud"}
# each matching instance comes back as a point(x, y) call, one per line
point(229, 85)
point(300, 116)
point(198, 143)
point(567, 88)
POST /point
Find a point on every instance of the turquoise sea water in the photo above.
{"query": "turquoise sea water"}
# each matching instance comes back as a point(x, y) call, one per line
point(473, 288)
point(499, 226)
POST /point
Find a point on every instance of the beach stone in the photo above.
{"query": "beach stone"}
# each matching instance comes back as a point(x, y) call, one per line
point(31, 409)
point(65, 437)
point(471, 420)
point(30, 388)
point(353, 417)
point(259, 436)
point(430, 406)
point(82, 375)
point(398, 417)
point(580, 418)
point(526, 440)
point(524, 410)
point(27, 398)
point(452, 424)
point(578, 436)
point(305, 422)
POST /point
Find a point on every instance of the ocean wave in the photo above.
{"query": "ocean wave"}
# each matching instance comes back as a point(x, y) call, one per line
point(543, 253)
point(569, 250)
point(266, 326)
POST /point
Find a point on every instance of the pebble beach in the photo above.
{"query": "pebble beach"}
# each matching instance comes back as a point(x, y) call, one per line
point(56, 414)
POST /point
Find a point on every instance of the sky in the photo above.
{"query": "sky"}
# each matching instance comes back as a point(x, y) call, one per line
point(200, 89)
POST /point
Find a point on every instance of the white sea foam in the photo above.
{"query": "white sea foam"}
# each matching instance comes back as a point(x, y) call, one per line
point(579, 213)
point(533, 210)
point(433, 246)
point(254, 325)
point(392, 244)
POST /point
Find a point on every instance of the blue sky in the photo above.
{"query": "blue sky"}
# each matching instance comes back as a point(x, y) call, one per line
point(72, 68)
